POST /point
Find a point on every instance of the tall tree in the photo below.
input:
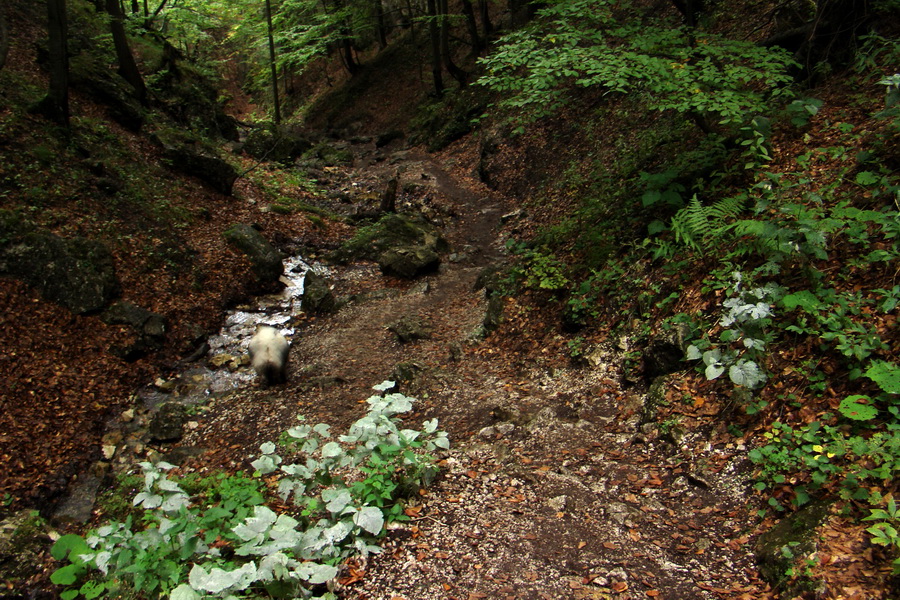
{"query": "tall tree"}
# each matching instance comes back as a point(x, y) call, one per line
point(128, 68)
point(274, 68)
point(472, 25)
point(458, 74)
point(434, 34)
point(4, 37)
point(55, 104)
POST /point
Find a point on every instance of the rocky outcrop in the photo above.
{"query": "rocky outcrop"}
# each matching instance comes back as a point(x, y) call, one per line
point(402, 246)
point(202, 163)
point(276, 144)
point(77, 273)
point(149, 327)
point(265, 258)
point(317, 295)
point(409, 262)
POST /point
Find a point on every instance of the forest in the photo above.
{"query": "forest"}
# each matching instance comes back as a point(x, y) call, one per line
point(584, 298)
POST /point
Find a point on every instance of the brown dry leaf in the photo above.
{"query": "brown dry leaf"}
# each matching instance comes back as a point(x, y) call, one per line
point(619, 586)
point(581, 545)
point(531, 576)
point(653, 593)
point(610, 545)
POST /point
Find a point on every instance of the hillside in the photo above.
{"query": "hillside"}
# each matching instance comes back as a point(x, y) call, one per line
point(698, 331)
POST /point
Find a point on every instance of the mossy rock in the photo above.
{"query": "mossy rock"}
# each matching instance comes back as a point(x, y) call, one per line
point(779, 550)
point(391, 231)
point(266, 260)
point(277, 144)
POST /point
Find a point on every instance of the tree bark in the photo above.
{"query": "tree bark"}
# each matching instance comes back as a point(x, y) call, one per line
point(458, 74)
point(380, 25)
point(4, 37)
point(485, 18)
point(128, 68)
point(55, 104)
point(274, 68)
point(435, 35)
point(472, 26)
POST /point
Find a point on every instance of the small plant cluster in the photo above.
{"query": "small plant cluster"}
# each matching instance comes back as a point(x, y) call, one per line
point(827, 455)
point(744, 339)
point(224, 541)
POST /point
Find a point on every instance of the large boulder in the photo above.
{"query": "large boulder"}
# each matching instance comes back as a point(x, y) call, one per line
point(77, 273)
point(276, 144)
point(204, 164)
point(409, 262)
point(317, 295)
point(266, 260)
point(149, 327)
point(390, 232)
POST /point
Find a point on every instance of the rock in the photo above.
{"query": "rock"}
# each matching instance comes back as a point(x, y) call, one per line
point(78, 506)
point(167, 423)
point(665, 353)
point(391, 231)
point(77, 273)
point(23, 542)
point(409, 262)
point(275, 143)
point(558, 503)
point(317, 295)
point(265, 258)
point(797, 533)
point(149, 326)
point(493, 314)
point(202, 162)
point(406, 371)
point(409, 329)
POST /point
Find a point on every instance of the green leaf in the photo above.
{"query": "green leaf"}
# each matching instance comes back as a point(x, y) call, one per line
point(886, 375)
point(69, 545)
point(856, 408)
point(66, 575)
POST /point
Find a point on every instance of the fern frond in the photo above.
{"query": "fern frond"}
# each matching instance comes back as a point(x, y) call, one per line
point(700, 227)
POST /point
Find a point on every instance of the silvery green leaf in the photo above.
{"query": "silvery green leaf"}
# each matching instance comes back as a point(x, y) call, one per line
point(167, 485)
point(299, 432)
point(184, 592)
point(147, 500)
point(760, 310)
point(409, 435)
point(254, 527)
point(442, 441)
point(754, 343)
point(712, 357)
point(693, 353)
point(369, 518)
point(101, 560)
point(175, 502)
point(713, 371)
point(323, 429)
point(266, 464)
point(430, 426)
point(267, 448)
point(747, 374)
point(218, 580)
point(316, 573)
point(336, 499)
point(310, 445)
point(384, 386)
point(164, 466)
point(331, 449)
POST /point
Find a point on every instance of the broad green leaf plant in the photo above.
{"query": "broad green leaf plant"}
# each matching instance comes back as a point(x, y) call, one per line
point(344, 491)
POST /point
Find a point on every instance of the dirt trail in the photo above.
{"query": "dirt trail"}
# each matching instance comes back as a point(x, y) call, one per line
point(553, 488)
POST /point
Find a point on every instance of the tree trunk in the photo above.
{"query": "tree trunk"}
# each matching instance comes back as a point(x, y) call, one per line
point(389, 195)
point(128, 68)
point(435, 35)
point(472, 26)
point(4, 37)
point(380, 25)
point(55, 104)
point(485, 18)
point(458, 74)
point(275, 102)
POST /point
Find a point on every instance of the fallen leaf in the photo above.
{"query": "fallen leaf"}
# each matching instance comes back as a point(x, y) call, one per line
point(619, 586)
point(610, 545)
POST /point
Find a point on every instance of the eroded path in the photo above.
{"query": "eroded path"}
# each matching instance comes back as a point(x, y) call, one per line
point(553, 488)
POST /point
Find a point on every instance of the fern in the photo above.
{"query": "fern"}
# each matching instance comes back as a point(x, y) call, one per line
point(700, 227)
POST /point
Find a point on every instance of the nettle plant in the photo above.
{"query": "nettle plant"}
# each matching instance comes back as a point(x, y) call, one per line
point(345, 491)
point(741, 347)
